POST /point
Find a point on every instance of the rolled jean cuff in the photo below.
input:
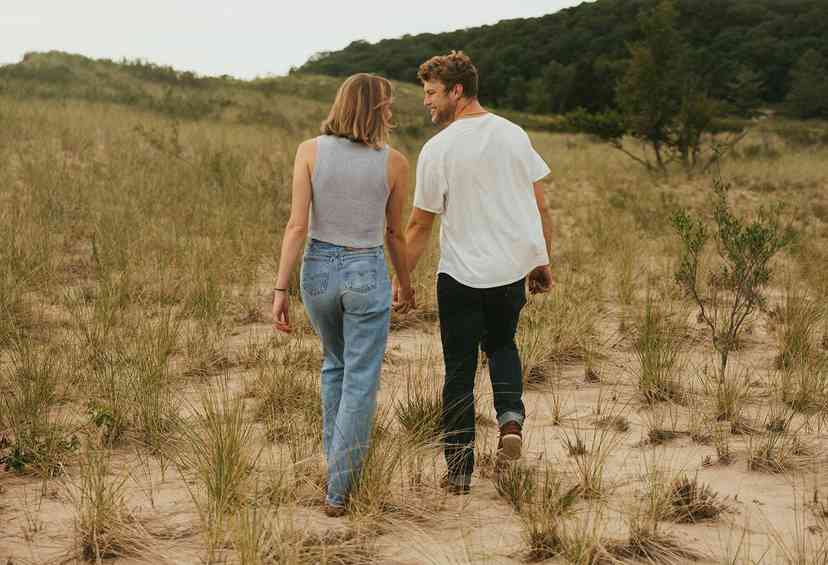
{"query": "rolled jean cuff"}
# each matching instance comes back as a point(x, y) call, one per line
point(510, 417)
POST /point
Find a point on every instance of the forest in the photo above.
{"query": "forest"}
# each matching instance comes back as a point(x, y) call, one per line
point(765, 52)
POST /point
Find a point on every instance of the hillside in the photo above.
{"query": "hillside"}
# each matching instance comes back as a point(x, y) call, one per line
point(274, 102)
point(575, 57)
point(182, 94)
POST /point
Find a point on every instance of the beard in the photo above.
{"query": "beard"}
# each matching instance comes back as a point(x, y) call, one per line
point(444, 116)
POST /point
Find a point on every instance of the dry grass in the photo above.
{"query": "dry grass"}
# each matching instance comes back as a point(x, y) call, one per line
point(287, 393)
point(136, 263)
point(261, 536)
point(516, 483)
point(692, 501)
point(658, 350)
point(104, 527)
point(35, 437)
point(590, 451)
point(557, 329)
point(216, 451)
point(420, 406)
point(798, 320)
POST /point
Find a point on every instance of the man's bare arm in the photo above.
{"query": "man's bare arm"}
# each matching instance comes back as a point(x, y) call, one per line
point(540, 279)
point(417, 234)
point(546, 221)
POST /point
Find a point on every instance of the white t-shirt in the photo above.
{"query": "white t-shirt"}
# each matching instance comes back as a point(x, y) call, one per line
point(477, 174)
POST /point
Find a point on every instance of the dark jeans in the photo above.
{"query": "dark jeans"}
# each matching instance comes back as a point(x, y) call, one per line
point(471, 317)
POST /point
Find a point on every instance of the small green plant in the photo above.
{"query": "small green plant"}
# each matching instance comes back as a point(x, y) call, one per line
point(736, 287)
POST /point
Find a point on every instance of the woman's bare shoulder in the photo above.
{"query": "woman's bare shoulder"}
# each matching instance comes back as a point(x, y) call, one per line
point(308, 146)
point(397, 159)
point(306, 152)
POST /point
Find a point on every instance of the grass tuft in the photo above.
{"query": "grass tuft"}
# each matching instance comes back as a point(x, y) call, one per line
point(104, 528)
point(692, 502)
point(658, 350)
point(799, 320)
point(516, 483)
point(36, 438)
point(216, 453)
point(420, 410)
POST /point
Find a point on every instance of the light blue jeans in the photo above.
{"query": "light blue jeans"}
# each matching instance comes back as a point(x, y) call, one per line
point(347, 294)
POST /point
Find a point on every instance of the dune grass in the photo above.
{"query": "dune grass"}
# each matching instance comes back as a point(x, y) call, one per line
point(138, 242)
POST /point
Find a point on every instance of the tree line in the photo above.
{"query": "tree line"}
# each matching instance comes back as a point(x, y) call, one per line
point(748, 54)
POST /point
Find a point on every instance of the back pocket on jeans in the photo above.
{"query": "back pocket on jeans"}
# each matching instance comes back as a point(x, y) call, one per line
point(362, 281)
point(315, 284)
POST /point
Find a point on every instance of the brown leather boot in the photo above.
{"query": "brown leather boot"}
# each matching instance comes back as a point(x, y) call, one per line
point(511, 441)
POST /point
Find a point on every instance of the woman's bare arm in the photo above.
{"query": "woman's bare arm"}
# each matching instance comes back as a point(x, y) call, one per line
point(395, 237)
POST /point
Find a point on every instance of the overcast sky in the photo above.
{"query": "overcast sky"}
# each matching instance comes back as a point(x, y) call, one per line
point(244, 38)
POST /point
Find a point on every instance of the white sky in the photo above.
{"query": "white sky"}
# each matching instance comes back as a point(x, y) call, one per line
point(243, 38)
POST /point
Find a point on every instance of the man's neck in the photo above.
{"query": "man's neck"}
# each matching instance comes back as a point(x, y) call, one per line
point(468, 108)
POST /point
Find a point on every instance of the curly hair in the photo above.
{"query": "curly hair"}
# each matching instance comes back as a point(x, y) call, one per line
point(454, 68)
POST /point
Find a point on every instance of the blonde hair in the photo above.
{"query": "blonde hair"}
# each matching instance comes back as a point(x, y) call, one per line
point(357, 112)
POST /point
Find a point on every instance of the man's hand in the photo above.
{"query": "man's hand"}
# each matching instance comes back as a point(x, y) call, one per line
point(281, 312)
point(540, 279)
point(402, 298)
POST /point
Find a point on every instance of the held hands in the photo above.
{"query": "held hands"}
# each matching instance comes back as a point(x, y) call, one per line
point(402, 297)
point(281, 312)
point(540, 279)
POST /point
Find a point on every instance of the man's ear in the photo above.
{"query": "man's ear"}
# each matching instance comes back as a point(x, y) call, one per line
point(457, 90)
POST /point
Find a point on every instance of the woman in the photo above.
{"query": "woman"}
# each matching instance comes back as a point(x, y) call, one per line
point(358, 186)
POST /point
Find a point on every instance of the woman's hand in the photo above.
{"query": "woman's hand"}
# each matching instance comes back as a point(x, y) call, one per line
point(402, 297)
point(281, 312)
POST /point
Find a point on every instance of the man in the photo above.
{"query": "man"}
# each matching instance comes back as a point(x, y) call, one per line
point(481, 175)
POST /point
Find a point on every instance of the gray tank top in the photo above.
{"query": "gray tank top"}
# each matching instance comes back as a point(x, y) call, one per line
point(349, 193)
